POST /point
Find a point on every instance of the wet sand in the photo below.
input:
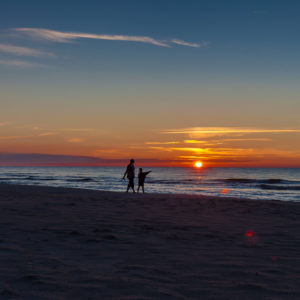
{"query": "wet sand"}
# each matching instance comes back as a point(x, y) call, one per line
point(58, 243)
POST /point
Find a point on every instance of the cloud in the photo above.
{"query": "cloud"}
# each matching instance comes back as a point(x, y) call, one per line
point(36, 128)
point(17, 50)
point(191, 149)
point(183, 43)
point(19, 64)
point(47, 133)
point(207, 144)
point(55, 130)
point(75, 140)
point(13, 137)
point(35, 159)
point(200, 131)
point(161, 143)
point(16, 137)
point(194, 142)
point(64, 37)
point(97, 130)
point(161, 148)
point(243, 140)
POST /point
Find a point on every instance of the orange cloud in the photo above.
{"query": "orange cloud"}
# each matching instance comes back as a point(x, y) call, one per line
point(75, 140)
point(161, 143)
point(226, 130)
point(194, 142)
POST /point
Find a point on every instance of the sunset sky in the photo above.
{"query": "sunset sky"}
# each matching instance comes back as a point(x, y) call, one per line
point(165, 82)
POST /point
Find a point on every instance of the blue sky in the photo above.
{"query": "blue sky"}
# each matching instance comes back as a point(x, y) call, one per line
point(240, 34)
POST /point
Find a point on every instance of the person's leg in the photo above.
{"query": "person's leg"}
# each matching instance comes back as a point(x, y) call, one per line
point(138, 188)
point(143, 189)
point(133, 188)
point(132, 184)
point(128, 186)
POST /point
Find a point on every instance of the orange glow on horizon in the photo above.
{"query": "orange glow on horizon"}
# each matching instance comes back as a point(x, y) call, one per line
point(93, 146)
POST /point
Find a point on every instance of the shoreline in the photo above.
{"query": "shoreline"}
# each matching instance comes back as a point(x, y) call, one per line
point(155, 195)
point(65, 243)
point(280, 185)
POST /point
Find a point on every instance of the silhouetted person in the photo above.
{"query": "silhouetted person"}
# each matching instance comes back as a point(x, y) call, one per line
point(142, 176)
point(130, 175)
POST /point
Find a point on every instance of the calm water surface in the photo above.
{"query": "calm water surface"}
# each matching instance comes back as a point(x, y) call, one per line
point(254, 183)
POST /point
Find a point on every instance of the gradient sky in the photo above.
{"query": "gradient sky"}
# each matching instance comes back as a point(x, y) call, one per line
point(167, 81)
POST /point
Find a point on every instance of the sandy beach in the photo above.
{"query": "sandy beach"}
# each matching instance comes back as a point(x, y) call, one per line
point(58, 243)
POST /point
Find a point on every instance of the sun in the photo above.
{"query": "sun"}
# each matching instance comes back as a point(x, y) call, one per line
point(198, 164)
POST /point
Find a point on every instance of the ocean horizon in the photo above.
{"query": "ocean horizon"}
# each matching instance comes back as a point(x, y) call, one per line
point(252, 183)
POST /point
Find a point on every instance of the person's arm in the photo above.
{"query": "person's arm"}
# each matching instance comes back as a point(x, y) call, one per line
point(125, 173)
point(148, 172)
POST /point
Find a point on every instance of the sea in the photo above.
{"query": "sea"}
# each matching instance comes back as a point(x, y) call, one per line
point(252, 183)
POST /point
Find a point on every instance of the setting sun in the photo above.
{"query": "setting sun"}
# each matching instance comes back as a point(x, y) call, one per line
point(198, 164)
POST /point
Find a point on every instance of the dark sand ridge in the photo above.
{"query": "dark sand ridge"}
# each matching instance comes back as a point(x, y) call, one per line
point(58, 243)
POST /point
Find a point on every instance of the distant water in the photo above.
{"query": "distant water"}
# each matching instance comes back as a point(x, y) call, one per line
point(254, 183)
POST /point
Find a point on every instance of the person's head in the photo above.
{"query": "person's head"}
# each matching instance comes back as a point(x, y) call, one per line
point(132, 161)
point(141, 170)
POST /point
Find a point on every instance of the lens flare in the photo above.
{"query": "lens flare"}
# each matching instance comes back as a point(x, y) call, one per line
point(249, 233)
point(224, 191)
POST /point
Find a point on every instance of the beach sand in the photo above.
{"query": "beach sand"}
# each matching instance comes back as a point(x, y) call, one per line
point(58, 243)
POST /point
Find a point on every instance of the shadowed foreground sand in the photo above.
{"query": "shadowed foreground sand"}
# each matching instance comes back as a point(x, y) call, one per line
point(77, 244)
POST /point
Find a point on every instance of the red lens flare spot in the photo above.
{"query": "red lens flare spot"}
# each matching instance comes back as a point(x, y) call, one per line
point(224, 191)
point(249, 234)
point(251, 239)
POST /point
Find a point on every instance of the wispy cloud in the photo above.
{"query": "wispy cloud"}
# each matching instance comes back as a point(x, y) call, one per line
point(55, 130)
point(63, 37)
point(194, 142)
point(191, 149)
point(75, 140)
point(16, 137)
point(183, 43)
point(23, 51)
point(47, 134)
point(19, 64)
point(161, 148)
point(246, 140)
point(228, 144)
point(225, 130)
point(161, 143)
point(95, 130)
point(12, 137)
point(35, 128)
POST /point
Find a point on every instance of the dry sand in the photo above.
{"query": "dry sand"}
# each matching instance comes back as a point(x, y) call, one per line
point(60, 243)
